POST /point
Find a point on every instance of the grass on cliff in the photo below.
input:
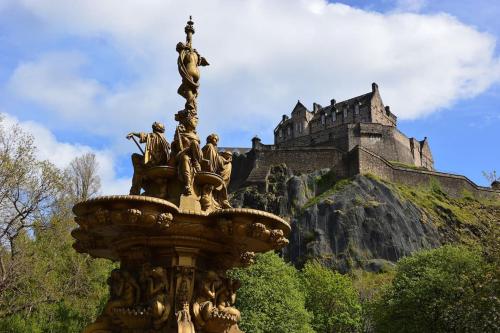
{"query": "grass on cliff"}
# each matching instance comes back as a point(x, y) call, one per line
point(327, 185)
point(464, 219)
point(407, 166)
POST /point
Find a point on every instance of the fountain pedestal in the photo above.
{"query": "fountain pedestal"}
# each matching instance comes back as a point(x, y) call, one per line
point(172, 262)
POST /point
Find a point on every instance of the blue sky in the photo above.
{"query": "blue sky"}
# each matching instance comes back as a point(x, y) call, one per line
point(80, 75)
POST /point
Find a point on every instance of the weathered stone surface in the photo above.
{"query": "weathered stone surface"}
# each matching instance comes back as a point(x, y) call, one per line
point(360, 224)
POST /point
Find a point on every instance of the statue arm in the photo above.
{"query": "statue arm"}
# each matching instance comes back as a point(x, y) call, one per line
point(136, 134)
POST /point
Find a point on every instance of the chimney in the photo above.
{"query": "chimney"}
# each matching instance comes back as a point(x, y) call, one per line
point(388, 110)
point(374, 87)
point(316, 107)
point(285, 117)
point(333, 102)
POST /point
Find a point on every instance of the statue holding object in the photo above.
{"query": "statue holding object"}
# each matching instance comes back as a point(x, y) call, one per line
point(218, 163)
point(188, 62)
point(157, 152)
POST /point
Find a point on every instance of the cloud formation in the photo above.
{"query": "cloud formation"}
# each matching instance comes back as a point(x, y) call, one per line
point(264, 55)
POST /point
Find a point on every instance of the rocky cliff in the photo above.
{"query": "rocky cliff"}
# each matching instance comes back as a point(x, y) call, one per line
point(363, 221)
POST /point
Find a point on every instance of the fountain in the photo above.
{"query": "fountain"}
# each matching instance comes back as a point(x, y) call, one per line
point(175, 235)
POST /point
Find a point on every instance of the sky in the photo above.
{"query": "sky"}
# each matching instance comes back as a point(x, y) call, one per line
point(79, 75)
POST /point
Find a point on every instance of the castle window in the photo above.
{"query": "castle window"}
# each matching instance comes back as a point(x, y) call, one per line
point(323, 119)
point(289, 131)
point(356, 109)
point(345, 114)
point(334, 116)
point(281, 133)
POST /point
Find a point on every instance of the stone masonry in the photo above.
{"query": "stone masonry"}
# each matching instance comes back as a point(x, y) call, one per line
point(355, 136)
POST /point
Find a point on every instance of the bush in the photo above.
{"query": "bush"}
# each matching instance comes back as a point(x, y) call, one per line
point(331, 298)
point(449, 289)
point(270, 299)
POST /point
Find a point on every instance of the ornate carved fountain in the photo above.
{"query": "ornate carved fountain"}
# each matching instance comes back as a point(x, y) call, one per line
point(175, 240)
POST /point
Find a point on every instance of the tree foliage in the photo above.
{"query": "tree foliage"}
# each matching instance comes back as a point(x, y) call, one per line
point(29, 188)
point(331, 298)
point(83, 178)
point(271, 299)
point(449, 289)
point(45, 286)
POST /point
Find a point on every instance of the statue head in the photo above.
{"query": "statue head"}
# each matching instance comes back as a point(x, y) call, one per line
point(192, 121)
point(213, 139)
point(188, 119)
point(158, 127)
point(179, 47)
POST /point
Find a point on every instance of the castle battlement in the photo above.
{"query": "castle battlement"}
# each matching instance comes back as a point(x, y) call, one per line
point(355, 136)
point(359, 121)
point(302, 123)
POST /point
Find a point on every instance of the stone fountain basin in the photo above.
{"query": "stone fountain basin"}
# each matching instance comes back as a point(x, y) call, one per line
point(111, 225)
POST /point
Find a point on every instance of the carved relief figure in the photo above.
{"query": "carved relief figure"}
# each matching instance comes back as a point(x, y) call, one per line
point(124, 293)
point(226, 298)
point(214, 305)
point(188, 61)
point(155, 283)
point(157, 152)
point(219, 163)
point(124, 290)
point(205, 302)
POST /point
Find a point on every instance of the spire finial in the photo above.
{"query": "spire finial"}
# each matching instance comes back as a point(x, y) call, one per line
point(189, 30)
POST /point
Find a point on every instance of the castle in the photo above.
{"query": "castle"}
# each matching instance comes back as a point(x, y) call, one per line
point(360, 121)
point(355, 136)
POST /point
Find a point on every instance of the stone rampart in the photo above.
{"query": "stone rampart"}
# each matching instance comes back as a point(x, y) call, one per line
point(299, 160)
point(454, 185)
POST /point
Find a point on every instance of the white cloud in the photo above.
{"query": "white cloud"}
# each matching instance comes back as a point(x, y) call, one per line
point(264, 55)
point(410, 5)
point(62, 153)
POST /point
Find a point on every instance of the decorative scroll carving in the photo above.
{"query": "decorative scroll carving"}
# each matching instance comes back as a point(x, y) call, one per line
point(225, 226)
point(278, 238)
point(164, 220)
point(133, 215)
point(247, 258)
point(102, 216)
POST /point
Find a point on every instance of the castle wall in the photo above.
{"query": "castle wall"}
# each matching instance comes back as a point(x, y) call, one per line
point(299, 160)
point(386, 141)
point(454, 185)
point(379, 114)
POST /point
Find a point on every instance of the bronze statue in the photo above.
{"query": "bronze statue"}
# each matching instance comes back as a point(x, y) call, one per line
point(186, 152)
point(157, 153)
point(177, 223)
point(219, 163)
point(188, 62)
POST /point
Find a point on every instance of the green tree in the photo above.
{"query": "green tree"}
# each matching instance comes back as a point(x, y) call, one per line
point(331, 298)
point(270, 299)
point(45, 286)
point(449, 289)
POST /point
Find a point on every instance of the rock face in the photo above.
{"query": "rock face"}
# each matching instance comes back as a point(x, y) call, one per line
point(359, 222)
